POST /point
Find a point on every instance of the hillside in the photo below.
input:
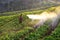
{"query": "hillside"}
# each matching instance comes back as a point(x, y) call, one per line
point(11, 29)
point(15, 5)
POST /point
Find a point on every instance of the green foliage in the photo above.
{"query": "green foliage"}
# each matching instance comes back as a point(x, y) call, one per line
point(51, 9)
point(55, 34)
point(37, 34)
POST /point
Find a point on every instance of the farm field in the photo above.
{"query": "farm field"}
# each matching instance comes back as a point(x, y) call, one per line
point(11, 29)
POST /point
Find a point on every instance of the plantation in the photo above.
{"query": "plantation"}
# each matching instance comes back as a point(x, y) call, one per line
point(11, 29)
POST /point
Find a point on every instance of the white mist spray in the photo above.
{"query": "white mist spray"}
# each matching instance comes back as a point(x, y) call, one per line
point(43, 17)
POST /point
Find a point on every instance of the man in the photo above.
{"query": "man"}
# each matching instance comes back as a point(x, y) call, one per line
point(20, 18)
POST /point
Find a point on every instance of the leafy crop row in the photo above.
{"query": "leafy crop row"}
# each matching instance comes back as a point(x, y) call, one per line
point(55, 34)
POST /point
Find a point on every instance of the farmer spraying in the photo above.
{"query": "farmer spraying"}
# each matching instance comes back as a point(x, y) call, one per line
point(20, 18)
